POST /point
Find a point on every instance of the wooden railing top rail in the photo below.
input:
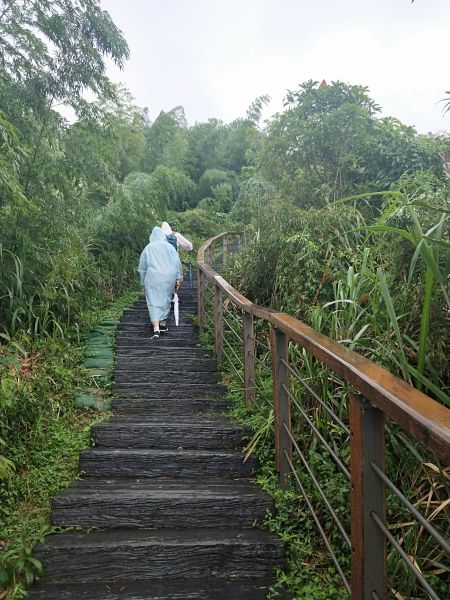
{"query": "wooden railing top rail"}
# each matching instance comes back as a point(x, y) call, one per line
point(422, 417)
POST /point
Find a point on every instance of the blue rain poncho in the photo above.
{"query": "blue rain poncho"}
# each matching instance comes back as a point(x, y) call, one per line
point(160, 269)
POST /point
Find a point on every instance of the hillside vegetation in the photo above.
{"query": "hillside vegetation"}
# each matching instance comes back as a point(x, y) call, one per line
point(348, 213)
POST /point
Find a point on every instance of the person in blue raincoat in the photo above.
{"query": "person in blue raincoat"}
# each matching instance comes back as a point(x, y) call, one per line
point(161, 273)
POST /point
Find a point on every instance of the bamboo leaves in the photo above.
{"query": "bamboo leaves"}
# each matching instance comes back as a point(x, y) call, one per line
point(11, 155)
point(428, 246)
point(81, 34)
point(394, 322)
point(435, 272)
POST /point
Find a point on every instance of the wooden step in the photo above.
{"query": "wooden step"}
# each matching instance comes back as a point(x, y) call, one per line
point(142, 318)
point(144, 339)
point(184, 307)
point(190, 296)
point(165, 353)
point(154, 377)
point(141, 554)
point(189, 363)
point(139, 462)
point(164, 433)
point(145, 331)
point(142, 328)
point(169, 589)
point(187, 503)
point(168, 406)
point(169, 390)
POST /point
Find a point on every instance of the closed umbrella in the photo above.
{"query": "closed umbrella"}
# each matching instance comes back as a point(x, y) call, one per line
point(176, 309)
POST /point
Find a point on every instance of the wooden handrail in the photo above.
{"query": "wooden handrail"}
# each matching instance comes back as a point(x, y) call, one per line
point(422, 417)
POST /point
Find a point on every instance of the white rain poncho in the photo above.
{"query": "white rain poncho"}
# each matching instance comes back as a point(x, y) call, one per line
point(160, 269)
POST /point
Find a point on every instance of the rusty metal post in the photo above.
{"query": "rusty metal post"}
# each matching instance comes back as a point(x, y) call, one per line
point(201, 299)
point(367, 497)
point(282, 406)
point(248, 337)
point(218, 321)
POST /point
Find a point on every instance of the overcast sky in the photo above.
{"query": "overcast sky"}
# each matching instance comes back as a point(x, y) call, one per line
point(214, 57)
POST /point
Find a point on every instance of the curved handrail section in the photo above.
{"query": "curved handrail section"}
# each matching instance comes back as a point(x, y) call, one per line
point(422, 417)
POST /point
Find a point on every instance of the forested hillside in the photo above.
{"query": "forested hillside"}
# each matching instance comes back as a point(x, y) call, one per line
point(348, 211)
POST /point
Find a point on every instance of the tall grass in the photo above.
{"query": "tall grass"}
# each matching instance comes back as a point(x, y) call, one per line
point(427, 246)
point(78, 280)
point(24, 310)
point(429, 269)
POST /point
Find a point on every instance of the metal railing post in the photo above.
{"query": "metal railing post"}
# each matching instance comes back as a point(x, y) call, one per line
point(282, 406)
point(201, 299)
point(248, 336)
point(225, 249)
point(209, 256)
point(218, 321)
point(367, 497)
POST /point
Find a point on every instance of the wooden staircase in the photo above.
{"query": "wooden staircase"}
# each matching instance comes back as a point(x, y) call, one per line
point(165, 509)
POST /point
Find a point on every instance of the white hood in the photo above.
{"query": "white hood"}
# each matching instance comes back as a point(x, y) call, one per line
point(167, 229)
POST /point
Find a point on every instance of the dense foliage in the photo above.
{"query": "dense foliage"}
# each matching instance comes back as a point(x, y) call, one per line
point(351, 217)
point(78, 199)
point(330, 142)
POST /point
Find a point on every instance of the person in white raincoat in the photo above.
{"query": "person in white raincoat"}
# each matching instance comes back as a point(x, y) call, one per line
point(160, 270)
point(182, 242)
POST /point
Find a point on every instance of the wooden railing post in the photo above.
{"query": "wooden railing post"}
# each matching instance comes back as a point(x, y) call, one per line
point(201, 299)
point(218, 321)
point(367, 497)
point(209, 256)
point(282, 406)
point(248, 337)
